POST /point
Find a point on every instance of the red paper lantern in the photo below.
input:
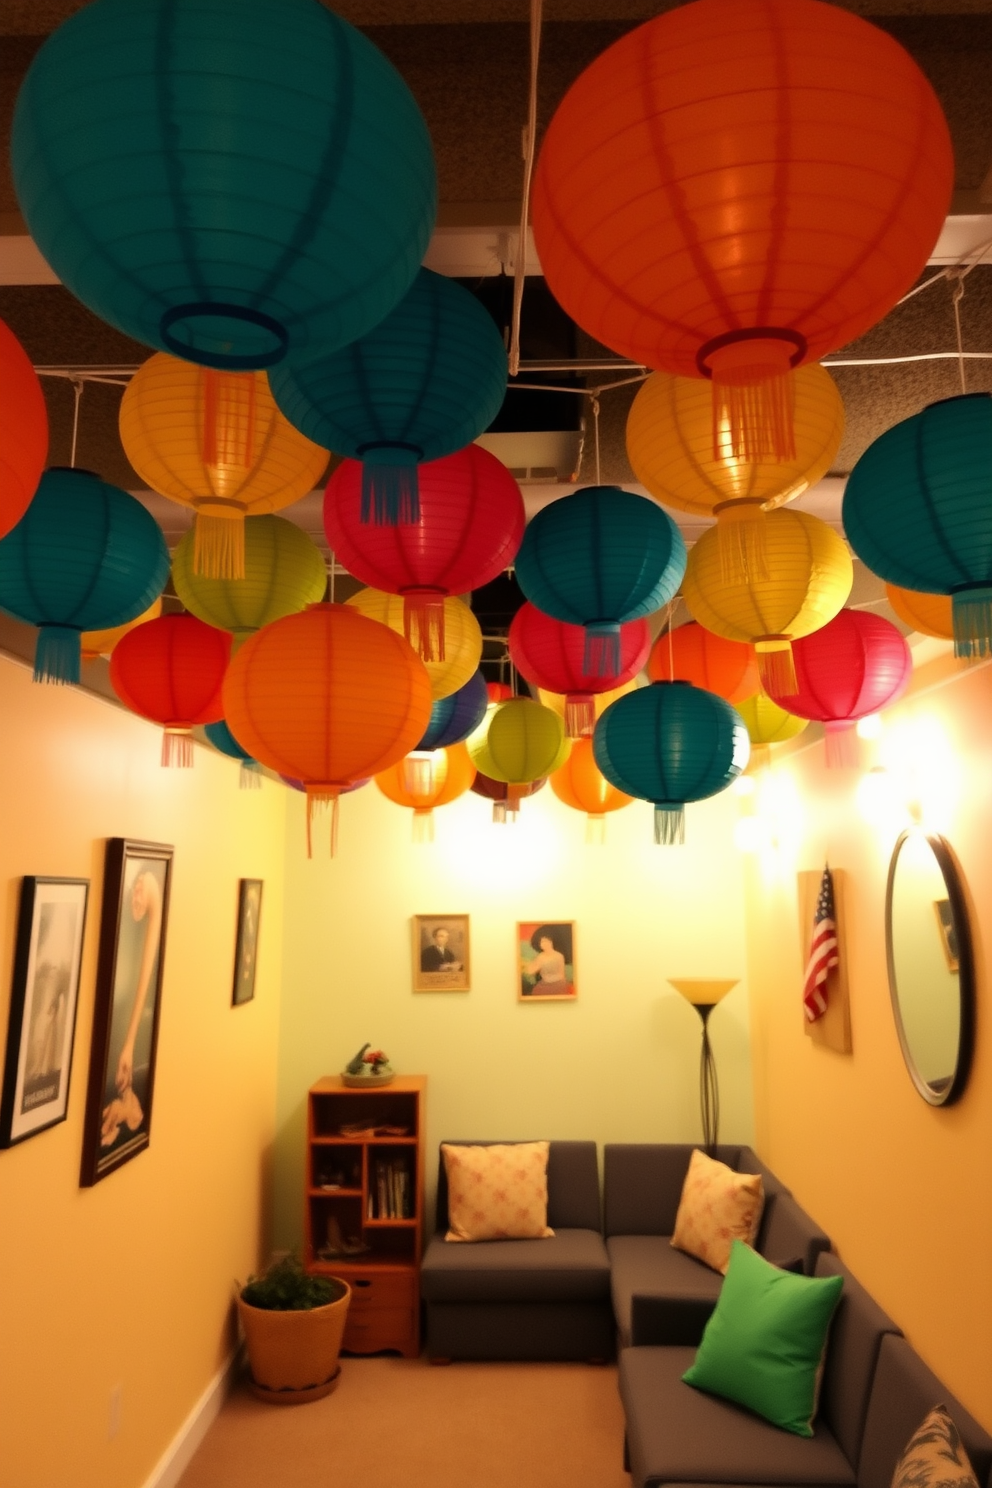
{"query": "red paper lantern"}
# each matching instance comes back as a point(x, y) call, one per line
point(470, 527)
point(694, 654)
point(170, 670)
point(856, 664)
point(551, 654)
point(23, 430)
point(737, 187)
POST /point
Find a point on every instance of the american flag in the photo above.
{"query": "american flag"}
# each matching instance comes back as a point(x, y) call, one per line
point(822, 951)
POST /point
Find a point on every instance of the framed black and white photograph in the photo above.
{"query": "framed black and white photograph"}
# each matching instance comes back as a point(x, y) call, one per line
point(44, 995)
point(128, 1001)
point(246, 944)
point(440, 953)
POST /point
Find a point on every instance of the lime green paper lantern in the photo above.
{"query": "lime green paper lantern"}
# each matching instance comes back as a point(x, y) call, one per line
point(284, 572)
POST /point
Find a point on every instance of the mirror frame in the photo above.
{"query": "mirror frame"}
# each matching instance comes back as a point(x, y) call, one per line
point(947, 863)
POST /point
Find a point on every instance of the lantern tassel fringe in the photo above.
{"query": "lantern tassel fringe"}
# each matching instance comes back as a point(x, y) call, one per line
point(580, 715)
point(971, 611)
point(219, 547)
point(596, 829)
point(777, 669)
point(602, 650)
point(423, 625)
point(177, 749)
point(669, 826)
point(842, 747)
point(57, 655)
point(318, 797)
point(423, 825)
point(250, 775)
point(390, 494)
point(499, 814)
point(757, 412)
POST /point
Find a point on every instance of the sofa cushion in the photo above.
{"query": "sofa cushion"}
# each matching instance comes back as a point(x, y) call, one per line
point(573, 1186)
point(764, 1344)
point(717, 1207)
point(572, 1267)
point(787, 1233)
point(499, 1192)
point(935, 1456)
point(904, 1389)
point(676, 1434)
point(856, 1333)
point(647, 1265)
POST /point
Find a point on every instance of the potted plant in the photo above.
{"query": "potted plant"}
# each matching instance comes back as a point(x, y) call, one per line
point(293, 1325)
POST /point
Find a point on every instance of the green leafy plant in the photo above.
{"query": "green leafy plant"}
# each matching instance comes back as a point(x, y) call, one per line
point(285, 1287)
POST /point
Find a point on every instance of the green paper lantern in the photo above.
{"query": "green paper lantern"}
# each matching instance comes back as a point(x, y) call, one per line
point(284, 572)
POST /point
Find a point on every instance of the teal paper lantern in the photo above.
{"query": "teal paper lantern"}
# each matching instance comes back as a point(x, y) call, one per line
point(85, 556)
point(420, 385)
point(227, 180)
point(671, 743)
point(220, 736)
point(599, 558)
point(456, 716)
point(918, 511)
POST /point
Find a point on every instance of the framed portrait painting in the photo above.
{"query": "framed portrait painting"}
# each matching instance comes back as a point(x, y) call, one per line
point(246, 944)
point(440, 953)
point(128, 1000)
point(45, 991)
point(546, 961)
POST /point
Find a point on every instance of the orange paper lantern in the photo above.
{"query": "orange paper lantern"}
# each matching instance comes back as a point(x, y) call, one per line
point(930, 614)
point(23, 430)
point(423, 781)
point(693, 654)
point(581, 784)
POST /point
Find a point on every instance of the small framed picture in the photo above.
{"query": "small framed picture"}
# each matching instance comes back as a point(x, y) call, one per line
point(948, 934)
point(43, 1000)
point(440, 953)
point(546, 961)
point(128, 999)
point(246, 945)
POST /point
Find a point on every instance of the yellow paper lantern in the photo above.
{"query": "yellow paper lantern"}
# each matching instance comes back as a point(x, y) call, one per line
point(215, 441)
point(522, 741)
point(96, 643)
point(462, 636)
point(767, 724)
point(284, 571)
point(798, 578)
point(930, 614)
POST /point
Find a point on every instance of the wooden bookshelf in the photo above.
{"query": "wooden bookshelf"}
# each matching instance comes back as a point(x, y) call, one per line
point(366, 1189)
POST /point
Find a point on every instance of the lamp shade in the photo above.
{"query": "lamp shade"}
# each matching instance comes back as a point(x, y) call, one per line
point(917, 511)
point(85, 556)
point(450, 775)
point(671, 743)
point(456, 716)
point(326, 697)
point(690, 653)
point(462, 636)
point(470, 525)
point(23, 430)
point(96, 643)
point(216, 442)
point(235, 179)
point(522, 741)
point(422, 384)
point(284, 571)
point(598, 558)
point(581, 784)
point(170, 671)
point(799, 576)
point(930, 614)
point(737, 187)
point(551, 654)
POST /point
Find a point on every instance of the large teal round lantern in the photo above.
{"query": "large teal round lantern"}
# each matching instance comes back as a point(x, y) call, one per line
point(227, 180)
point(598, 558)
point(918, 511)
point(671, 743)
point(421, 385)
point(85, 556)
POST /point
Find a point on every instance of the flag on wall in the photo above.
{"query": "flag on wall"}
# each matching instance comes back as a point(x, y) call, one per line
point(822, 951)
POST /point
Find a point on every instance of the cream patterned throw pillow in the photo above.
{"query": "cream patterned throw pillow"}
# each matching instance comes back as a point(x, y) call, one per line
point(717, 1207)
point(934, 1456)
point(498, 1192)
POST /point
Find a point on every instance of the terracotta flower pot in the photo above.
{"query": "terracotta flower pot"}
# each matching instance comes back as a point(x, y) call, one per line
point(294, 1355)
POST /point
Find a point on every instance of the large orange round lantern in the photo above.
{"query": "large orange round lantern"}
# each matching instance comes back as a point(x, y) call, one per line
point(23, 430)
point(327, 697)
point(737, 187)
point(450, 775)
point(930, 614)
point(690, 653)
point(170, 670)
point(581, 784)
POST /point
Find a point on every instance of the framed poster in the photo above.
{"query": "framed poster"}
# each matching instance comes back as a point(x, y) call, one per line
point(440, 953)
point(128, 997)
point(43, 1001)
point(246, 944)
point(546, 961)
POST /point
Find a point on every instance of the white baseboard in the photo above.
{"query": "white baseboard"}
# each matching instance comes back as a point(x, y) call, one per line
point(179, 1453)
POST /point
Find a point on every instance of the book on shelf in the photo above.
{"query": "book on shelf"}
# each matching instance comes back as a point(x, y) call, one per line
point(389, 1194)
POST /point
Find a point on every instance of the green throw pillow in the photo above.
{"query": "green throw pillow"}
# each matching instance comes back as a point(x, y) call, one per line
point(763, 1346)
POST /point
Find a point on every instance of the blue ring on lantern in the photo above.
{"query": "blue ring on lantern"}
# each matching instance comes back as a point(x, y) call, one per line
point(225, 362)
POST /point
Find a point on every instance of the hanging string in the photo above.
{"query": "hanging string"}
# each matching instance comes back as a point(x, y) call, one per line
point(956, 277)
point(77, 387)
point(529, 144)
point(671, 650)
point(595, 430)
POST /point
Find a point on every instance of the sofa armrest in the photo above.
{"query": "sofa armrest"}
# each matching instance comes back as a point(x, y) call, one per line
point(660, 1321)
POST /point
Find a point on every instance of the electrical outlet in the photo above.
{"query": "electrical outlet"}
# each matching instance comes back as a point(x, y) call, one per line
point(114, 1416)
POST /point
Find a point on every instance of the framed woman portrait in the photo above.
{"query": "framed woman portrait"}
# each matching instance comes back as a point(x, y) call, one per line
point(246, 945)
point(440, 953)
point(43, 1000)
point(128, 999)
point(546, 961)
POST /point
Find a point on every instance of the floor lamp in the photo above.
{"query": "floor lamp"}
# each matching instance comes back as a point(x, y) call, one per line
point(704, 996)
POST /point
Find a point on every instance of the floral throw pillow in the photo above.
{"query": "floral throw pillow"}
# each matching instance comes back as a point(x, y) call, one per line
point(717, 1207)
point(935, 1456)
point(498, 1192)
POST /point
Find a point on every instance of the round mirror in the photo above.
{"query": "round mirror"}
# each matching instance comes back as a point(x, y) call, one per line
point(928, 943)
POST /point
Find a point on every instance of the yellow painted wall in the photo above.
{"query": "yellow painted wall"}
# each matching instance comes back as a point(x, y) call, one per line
point(130, 1282)
point(619, 1064)
point(904, 1189)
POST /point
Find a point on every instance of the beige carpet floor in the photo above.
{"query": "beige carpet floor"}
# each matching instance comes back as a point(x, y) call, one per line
point(409, 1424)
